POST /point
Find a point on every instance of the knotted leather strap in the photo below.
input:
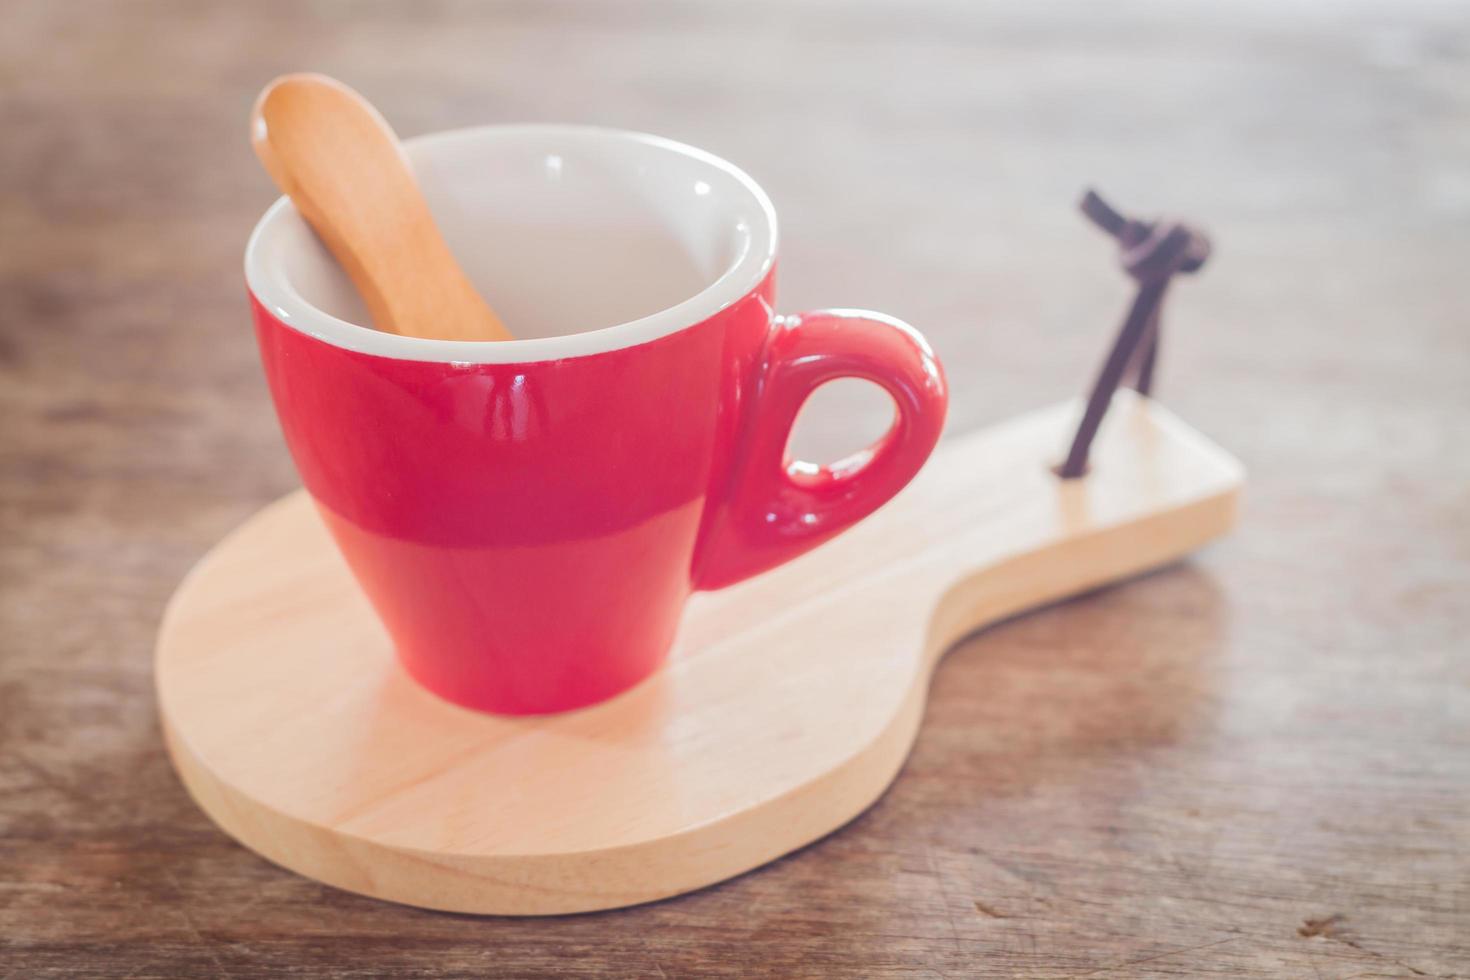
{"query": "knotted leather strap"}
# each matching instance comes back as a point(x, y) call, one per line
point(1151, 252)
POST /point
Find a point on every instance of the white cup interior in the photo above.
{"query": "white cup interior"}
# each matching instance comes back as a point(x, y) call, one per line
point(582, 239)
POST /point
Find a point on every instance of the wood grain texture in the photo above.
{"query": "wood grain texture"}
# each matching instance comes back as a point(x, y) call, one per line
point(786, 708)
point(1164, 779)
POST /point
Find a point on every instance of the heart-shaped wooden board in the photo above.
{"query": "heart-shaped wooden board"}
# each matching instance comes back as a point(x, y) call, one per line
point(787, 707)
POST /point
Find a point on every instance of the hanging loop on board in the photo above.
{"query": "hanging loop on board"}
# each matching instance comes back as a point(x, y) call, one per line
point(1151, 252)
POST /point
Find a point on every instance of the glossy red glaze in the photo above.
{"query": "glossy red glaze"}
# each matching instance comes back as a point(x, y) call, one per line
point(529, 532)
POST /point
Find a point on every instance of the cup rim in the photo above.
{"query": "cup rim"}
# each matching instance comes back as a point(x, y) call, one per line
point(272, 288)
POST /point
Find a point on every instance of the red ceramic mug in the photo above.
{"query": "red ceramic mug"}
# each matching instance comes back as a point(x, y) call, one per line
point(529, 517)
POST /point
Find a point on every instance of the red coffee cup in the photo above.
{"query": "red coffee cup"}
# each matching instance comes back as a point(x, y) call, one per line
point(529, 517)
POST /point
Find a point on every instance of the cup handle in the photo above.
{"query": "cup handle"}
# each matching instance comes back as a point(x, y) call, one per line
point(777, 507)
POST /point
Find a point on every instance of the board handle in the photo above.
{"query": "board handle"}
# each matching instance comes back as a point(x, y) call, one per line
point(779, 507)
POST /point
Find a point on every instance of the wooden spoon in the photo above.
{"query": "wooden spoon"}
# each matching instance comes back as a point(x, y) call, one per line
point(342, 166)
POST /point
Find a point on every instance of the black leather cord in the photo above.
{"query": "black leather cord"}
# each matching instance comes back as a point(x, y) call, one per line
point(1151, 252)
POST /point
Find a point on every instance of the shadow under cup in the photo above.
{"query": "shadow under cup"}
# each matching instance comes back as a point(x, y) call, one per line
point(528, 517)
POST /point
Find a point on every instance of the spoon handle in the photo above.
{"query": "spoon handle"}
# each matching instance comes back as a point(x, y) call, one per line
point(344, 169)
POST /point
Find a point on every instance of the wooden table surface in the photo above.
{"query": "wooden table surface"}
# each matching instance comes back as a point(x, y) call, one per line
point(1255, 763)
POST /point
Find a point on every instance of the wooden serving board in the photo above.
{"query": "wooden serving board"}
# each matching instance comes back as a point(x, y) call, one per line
point(787, 707)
